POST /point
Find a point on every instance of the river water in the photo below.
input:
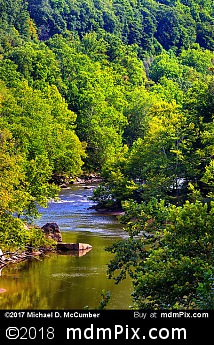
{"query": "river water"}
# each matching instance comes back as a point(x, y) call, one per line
point(69, 281)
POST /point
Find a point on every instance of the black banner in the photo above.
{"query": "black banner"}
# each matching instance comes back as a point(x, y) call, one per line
point(94, 326)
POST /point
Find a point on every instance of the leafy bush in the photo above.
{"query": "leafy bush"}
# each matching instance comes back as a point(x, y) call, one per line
point(14, 234)
point(169, 254)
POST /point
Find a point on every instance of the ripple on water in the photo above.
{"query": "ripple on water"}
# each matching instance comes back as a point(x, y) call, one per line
point(73, 274)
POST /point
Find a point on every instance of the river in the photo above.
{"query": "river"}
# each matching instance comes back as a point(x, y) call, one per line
point(62, 281)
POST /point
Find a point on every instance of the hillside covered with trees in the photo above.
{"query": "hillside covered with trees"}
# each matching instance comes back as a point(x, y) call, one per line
point(125, 89)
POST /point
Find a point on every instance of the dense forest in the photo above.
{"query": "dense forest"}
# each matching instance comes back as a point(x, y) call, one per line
point(123, 89)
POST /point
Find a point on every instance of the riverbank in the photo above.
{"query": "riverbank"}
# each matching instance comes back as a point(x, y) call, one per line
point(85, 179)
point(22, 255)
point(108, 211)
point(13, 258)
point(61, 280)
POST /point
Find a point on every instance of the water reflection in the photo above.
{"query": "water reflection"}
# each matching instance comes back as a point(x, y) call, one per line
point(75, 252)
point(62, 281)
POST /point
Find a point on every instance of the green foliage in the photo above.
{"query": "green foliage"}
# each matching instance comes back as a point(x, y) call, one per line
point(117, 188)
point(36, 63)
point(198, 58)
point(169, 131)
point(173, 24)
point(13, 194)
point(205, 294)
point(165, 65)
point(168, 251)
point(125, 89)
point(105, 299)
point(14, 235)
point(96, 92)
point(16, 26)
point(43, 127)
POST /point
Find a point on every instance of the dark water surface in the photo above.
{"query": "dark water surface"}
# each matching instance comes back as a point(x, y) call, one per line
point(69, 281)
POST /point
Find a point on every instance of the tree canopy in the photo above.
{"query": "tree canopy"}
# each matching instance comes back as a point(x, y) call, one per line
point(123, 89)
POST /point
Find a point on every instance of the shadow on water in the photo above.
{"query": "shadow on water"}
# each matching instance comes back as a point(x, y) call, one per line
point(62, 281)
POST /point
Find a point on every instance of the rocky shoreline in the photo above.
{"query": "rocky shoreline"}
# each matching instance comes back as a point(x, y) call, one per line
point(114, 211)
point(18, 256)
point(21, 255)
point(51, 231)
point(86, 179)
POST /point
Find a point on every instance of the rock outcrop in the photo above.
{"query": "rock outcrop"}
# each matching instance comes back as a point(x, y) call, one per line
point(73, 246)
point(52, 230)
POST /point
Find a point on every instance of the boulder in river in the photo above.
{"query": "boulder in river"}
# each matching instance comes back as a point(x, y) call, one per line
point(73, 246)
point(52, 230)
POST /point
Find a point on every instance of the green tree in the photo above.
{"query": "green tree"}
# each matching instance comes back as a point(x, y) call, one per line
point(36, 63)
point(168, 251)
point(43, 129)
point(14, 196)
point(198, 58)
point(165, 65)
point(95, 92)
